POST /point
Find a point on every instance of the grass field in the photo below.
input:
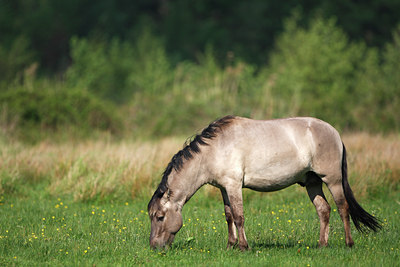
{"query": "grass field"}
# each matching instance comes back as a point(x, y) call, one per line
point(84, 203)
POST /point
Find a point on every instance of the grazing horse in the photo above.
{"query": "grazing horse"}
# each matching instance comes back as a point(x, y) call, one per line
point(234, 153)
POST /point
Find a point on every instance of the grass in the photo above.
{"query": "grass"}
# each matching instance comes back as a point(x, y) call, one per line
point(282, 229)
point(84, 203)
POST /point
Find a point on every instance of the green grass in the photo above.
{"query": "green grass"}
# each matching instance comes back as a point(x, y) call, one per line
point(282, 229)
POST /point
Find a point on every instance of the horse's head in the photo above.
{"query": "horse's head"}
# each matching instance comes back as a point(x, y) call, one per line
point(166, 221)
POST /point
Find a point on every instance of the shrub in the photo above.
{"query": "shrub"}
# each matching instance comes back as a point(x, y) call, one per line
point(389, 96)
point(378, 107)
point(54, 110)
point(116, 70)
point(99, 68)
point(312, 72)
point(14, 59)
point(201, 92)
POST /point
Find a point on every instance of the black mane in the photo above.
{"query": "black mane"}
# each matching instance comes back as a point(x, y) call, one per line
point(189, 148)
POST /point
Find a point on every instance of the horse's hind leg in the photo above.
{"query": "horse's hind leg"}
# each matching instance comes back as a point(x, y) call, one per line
point(343, 207)
point(317, 197)
point(232, 237)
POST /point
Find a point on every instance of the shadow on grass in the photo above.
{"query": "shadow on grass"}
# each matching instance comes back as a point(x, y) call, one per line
point(271, 245)
point(254, 246)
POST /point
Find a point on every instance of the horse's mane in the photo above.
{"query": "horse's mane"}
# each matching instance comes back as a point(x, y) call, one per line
point(190, 147)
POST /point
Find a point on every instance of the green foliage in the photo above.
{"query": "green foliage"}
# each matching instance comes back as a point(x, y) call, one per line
point(51, 110)
point(388, 96)
point(316, 71)
point(14, 59)
point(99, 68)
point(158, 97)
point(117, 70)
point(313, 72)
point(199, 94)
point(378, 86)
point(248, 29)
point(150, 68)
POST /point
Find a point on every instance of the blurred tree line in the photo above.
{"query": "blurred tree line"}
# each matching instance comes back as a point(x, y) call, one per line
point(149, 65)
point(41, 30)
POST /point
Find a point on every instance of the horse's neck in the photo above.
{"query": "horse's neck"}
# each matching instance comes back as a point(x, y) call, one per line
point(187, 181)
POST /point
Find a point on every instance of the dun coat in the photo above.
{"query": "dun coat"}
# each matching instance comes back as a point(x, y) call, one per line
point(234, 153)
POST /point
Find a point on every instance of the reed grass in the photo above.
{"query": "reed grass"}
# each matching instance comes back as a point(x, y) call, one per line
point(374, 163)
point(104, 169)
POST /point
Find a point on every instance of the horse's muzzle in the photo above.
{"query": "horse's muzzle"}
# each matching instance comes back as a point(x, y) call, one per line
point(158, 243)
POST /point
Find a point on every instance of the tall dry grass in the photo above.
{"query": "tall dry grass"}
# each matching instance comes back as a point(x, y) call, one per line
point(121, 170)
point(86, 170)
point(373, 162)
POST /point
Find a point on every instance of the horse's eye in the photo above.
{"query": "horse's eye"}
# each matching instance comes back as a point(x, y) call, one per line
point(160, 218)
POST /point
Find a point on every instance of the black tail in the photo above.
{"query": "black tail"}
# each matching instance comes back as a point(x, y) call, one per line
point(357, 213)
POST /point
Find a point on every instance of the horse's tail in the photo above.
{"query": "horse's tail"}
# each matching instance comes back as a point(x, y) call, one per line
point(357, 213)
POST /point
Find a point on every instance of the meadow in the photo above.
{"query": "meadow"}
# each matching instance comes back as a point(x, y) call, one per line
point(91, 114)
point(85, 203)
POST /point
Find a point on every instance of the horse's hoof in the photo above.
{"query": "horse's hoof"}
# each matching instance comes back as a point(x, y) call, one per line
point(322, 245)
point(244, 248)
point(230, 246)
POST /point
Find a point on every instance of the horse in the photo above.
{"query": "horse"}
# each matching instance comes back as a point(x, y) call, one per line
point(264, 155)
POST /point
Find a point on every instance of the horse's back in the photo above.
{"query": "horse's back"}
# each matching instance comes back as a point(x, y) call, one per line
point(272, 154)
point(298, 131)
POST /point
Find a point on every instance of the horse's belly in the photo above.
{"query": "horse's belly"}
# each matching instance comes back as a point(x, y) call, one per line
point(268, 185)
point(272, 179)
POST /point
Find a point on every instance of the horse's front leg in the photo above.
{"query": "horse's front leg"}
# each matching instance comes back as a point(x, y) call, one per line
point(232, 236)
point(235, 199)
